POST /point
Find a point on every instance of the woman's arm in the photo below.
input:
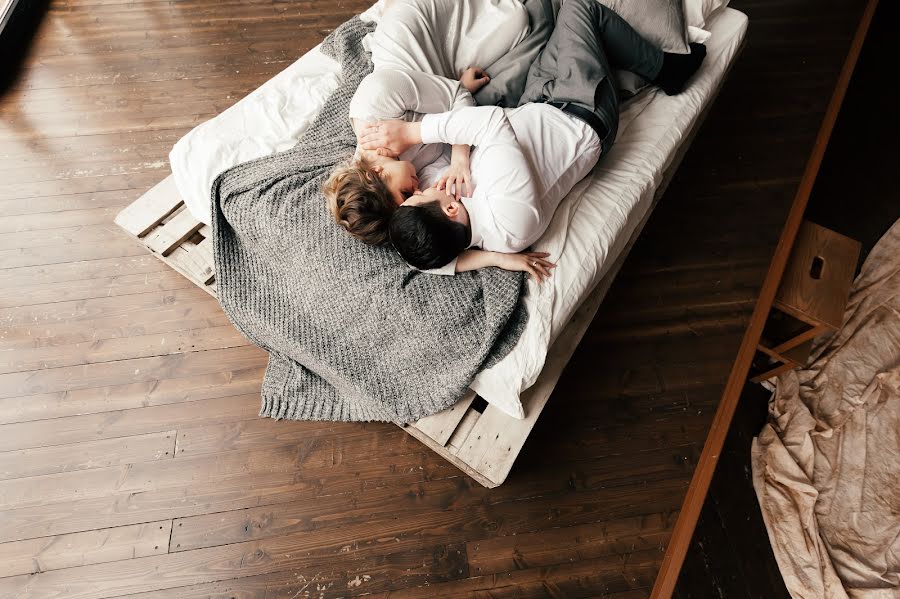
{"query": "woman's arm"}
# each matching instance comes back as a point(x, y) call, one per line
point(457, 179)
point(391, 93)
point(474, 126)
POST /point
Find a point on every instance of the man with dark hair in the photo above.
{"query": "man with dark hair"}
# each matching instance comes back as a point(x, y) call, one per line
point(429, 238)
point(525, 160)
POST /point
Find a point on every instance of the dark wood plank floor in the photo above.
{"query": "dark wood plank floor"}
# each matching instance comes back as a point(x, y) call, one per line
point(132, 462)
point(856, 194)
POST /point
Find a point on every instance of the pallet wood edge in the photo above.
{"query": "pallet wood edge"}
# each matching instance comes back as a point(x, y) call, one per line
point(440, 427)
point(144, 214)
point(143, 218)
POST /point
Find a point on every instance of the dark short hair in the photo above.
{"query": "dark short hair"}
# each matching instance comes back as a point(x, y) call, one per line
point(426, 237)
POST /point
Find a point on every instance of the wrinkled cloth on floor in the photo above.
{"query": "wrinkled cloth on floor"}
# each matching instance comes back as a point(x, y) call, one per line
point(826, 465)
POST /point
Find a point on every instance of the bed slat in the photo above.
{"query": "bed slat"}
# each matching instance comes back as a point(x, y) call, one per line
point(458, 438)
point(182, 241)
point(441, 426)
point(145, 213)
point(196, 261)
point(496, 439)
point(172, 234)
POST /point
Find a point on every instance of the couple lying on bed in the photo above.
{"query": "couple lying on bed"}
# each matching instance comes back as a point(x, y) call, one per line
point(525, 160)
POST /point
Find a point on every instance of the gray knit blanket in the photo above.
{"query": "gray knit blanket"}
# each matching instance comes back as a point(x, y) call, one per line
point(352, 332)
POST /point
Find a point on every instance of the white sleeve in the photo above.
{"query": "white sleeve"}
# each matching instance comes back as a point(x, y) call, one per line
point(391, 93)
point(475, 126)
point(505, 194)
point(448, 269)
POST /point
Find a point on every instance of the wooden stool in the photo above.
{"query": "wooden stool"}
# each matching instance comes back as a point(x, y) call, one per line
point(810, 300)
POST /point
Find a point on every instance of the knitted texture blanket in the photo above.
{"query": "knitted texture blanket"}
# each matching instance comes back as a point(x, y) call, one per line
point(352, 332)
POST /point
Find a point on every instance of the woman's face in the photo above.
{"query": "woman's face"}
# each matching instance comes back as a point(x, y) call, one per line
point(400, 177)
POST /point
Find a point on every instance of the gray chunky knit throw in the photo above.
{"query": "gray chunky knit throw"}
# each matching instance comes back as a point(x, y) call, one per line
point(352, 332)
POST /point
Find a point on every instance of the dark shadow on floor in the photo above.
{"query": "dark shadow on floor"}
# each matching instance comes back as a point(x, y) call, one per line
point(857, 193)
point(16, 38)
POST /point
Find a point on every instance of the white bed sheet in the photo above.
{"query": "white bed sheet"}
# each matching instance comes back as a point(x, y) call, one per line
point(594, 222)
point(269, 119)
point(587, 233)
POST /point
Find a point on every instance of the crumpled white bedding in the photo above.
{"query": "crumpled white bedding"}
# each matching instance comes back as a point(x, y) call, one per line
point(587, 233)
point(825, 467)
point(473, 33)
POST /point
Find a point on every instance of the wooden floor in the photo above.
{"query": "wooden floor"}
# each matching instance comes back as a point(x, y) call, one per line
point(132, 462)
point(730, 555)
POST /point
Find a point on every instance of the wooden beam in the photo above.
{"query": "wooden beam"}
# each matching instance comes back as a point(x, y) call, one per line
point(706, 466)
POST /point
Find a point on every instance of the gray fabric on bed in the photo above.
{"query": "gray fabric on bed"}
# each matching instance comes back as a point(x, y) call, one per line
point(352, 332)
point(508, 74)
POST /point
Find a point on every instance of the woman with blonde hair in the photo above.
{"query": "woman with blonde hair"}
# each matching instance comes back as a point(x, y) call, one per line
point(412, 50)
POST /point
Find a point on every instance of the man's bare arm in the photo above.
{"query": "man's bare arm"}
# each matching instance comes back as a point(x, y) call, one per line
point(533, 263)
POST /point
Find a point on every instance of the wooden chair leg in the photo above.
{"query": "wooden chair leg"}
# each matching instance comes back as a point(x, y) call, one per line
point(803, 337)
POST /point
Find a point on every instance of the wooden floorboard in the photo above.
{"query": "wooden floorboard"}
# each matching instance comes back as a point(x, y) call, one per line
point(730, 554)
point(132, 460)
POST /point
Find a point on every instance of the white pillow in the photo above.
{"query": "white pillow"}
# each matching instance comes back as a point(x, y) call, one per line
point(697, 12)
point(445, 37)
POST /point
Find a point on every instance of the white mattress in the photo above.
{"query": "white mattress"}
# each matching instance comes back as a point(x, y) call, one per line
point(588, 232)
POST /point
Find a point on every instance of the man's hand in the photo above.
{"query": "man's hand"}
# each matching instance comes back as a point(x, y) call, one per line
point(388, 138)
point(474, 78)
point(534, 263)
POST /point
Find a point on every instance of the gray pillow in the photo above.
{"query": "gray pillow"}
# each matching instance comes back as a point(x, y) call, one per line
point(661, 22)
point(509, 72)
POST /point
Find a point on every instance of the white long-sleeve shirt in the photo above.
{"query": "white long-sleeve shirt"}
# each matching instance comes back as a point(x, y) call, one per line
point(407, 95)
point(524, 162)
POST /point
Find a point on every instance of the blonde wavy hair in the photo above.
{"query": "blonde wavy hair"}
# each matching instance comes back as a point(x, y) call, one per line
point(360, 201)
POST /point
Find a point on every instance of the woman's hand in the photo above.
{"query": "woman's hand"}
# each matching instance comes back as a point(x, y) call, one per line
point(454, 179)
point(387, 138)
point(473, 79)
point(458, 176)
point(533, 263)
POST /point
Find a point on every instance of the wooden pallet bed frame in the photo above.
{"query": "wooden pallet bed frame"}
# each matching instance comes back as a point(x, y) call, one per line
point(478, 438)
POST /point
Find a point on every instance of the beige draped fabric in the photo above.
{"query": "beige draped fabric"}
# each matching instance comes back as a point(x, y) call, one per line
point(826, 467)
